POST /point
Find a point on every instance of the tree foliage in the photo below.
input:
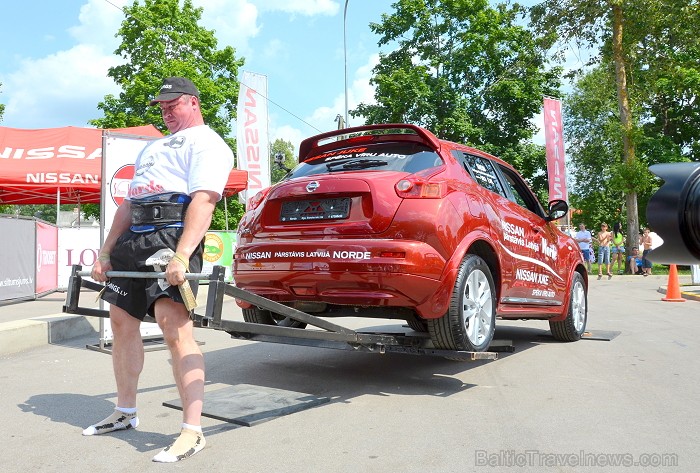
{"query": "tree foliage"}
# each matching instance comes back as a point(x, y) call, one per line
point(227, 214)
point(286, 148)
point(665, 54)
point(162, 38)
point(2, 107)
point(465, 70)
point(655, 57)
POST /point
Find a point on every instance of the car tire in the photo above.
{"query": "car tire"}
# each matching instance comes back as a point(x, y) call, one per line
point(417, 324)
point(572, 327)
point(257, 315)
point(470, 321)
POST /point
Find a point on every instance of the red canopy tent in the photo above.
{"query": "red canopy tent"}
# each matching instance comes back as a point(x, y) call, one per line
point(47, 165)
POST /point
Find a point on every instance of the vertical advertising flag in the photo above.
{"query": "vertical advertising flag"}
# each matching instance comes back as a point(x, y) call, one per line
point(554, 142)
point(251, 134)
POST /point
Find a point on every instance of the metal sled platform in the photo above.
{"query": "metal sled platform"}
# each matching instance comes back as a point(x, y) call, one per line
point(319, 332)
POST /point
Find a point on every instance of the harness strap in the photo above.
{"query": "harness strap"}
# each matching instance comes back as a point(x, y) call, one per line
point(157, 213)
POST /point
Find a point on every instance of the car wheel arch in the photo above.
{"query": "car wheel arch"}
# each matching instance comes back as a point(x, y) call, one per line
point(481, 247)
point(581, 271)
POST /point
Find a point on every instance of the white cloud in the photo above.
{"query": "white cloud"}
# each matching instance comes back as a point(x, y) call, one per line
point(359, 91)
point(99, 22)
point(288, 133)
point(59, 90)
point(64, 88)
point(324, 118)
point(304, 7)
point(234, 22)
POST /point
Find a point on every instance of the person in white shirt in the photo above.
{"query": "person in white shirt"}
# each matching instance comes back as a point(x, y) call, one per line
point(584, 238)
point(178, 180)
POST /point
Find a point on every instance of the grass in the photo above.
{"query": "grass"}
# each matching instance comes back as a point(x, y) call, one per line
point(656, 269)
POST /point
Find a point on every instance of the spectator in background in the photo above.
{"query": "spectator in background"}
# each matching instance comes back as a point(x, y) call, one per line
point(617, 250)
point(635, 261)
point(604, 238)
point(646, 243)
point(584, 239)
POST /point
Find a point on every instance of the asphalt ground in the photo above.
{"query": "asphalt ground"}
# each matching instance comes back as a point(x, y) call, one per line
point(548, 406)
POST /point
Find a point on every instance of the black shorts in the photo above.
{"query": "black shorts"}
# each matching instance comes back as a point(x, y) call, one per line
point(137, 296)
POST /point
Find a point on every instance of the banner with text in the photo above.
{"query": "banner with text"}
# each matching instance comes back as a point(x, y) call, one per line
point(554, 142)
point(46, 257)
point(251, 134)
point(219, 247)
point(17, 253)
point(76, 246)
point(119, 153)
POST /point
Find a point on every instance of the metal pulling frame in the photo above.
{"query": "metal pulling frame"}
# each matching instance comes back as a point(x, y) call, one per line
point(329, 335)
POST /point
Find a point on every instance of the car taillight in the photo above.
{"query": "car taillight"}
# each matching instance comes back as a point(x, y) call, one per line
point(258, 198)
point(416, 188)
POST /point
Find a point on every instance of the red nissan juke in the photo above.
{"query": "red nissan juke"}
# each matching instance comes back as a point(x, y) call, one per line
point(388, 221)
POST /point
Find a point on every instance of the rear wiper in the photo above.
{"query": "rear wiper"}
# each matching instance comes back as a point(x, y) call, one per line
point(355, 164)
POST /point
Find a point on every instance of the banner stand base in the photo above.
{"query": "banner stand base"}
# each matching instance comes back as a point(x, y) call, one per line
point(149, 344)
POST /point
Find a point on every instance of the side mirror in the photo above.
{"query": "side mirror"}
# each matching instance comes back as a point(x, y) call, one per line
point(557, 209)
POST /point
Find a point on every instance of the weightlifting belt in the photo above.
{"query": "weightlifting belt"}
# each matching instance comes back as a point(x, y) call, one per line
point(157, 213)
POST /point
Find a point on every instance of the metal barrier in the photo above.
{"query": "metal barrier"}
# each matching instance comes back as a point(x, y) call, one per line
point(328, 335)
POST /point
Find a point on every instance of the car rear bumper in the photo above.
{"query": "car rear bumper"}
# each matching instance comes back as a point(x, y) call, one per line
point(346, 272)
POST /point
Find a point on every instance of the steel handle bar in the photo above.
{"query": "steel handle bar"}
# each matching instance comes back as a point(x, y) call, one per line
point(142, 275)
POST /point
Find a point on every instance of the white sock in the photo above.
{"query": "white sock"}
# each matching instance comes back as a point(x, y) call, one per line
point(126, 410)
point(196, 428)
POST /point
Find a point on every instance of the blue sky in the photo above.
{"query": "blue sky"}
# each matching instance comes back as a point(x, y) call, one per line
point(55, 57)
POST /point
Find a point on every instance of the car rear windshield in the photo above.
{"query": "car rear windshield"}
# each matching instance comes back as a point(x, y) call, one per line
point(406, 157)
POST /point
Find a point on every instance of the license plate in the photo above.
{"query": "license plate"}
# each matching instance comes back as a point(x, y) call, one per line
point(320, 209)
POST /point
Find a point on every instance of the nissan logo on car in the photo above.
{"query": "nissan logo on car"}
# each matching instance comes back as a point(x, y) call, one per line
point(312, 186)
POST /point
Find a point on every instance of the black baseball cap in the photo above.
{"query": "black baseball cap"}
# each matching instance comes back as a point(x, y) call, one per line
point(174, 87)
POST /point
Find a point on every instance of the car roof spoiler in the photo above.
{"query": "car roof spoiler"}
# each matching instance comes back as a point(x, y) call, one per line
point(364, 135)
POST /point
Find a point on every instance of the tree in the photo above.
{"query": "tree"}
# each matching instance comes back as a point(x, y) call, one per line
point(587, 22)
point(161, 39)
point(641, 101)
point(46, 212)
point(286, 148)
point(466, 71)
point(2, 107)
point(666, 73)
point(227, 214)
point(592, 130)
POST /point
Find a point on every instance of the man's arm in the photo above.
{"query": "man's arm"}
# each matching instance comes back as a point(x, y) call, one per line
point(120, 224)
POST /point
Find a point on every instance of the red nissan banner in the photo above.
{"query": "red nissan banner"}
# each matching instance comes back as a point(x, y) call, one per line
point(35, 164)
point(46, 257)
point(554, 142)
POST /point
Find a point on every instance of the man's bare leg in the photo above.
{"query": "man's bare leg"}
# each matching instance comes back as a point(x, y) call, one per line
point(127, 355)
point(187, 358)
point(127, 362)
point(188, 371)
